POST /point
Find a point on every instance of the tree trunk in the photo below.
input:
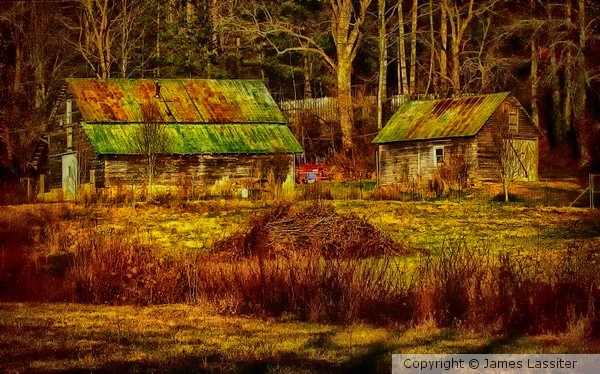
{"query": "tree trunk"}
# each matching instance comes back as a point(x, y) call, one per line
point(345, 110)
point(382, 88)
point(346, 31)
point(535, 111)
point(458, 27)
point(158, 32)
point(413, 48)
point(568, 100)
point(40, 95)
point(444, 46)
point(431, 79)
point(580, 95)
point(456, 66)
point(213, 16)
point(557, 119)
point(18, 75)
point(402, 67)
point(307, 78)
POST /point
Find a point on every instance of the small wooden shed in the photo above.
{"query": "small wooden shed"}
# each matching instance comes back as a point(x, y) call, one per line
point(213, 129)
point(424, 137)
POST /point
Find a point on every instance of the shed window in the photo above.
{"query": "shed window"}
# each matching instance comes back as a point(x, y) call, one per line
point(513, 119)
point(438, 156)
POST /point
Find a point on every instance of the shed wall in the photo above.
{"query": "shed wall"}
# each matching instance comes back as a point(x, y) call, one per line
point(403, 162)
point(525, 140)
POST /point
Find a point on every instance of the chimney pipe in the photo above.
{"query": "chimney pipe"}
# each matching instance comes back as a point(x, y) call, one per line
point(157, 86)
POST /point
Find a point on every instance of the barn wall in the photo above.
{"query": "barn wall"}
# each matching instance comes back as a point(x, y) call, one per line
point(401, 162)
point(525, 141)
point(205, 169)
point(57, 147)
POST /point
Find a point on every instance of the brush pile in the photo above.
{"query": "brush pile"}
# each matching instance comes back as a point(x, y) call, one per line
point(312, 229)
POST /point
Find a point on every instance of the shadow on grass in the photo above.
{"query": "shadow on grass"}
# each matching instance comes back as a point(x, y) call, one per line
point(376, 358)
point(494, 345)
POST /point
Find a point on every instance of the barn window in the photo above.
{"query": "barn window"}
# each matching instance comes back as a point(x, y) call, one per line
point(513, 119)
point(438, 156)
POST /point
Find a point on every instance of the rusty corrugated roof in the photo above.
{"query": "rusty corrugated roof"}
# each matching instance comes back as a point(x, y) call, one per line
point(436, 119)
point(181, 100)
point(119, 139)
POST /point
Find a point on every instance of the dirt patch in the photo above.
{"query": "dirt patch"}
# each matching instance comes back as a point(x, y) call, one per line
point(312, 229)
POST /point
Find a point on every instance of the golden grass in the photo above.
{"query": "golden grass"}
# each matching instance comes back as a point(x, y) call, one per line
point(49, 337)
point(507, 227)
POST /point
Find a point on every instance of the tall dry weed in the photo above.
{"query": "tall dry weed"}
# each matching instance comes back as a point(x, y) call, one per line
point(459, 284)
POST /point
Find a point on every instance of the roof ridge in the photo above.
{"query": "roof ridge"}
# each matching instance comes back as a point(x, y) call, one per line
point(460, 97)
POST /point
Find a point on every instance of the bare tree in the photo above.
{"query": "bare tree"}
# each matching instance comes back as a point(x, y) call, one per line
point(581, 85)
point(509, 159)
point(413, 47)
point(460, 18)
point(129, 33)
point(444, 45)
point(402, 66)
point(14, 17)
point(346, 29)
point(346, 19)
point(105, 33)
point(382, 78)
point(151, 140)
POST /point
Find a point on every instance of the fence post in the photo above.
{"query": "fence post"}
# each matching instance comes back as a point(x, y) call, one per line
point(591, 191)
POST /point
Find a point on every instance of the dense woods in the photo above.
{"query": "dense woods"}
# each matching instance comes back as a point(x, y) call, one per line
point(542, 51)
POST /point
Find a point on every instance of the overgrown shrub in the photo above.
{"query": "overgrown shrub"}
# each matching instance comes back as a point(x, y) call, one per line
point(279, 269)
point(110, 269)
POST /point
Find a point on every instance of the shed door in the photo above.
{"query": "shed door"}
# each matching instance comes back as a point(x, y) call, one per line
point(527, 162)
point(69, 176)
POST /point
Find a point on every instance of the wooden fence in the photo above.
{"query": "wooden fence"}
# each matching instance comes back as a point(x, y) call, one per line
point(325, 109)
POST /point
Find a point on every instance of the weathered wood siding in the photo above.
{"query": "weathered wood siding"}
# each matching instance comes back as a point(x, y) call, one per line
point(403, 162)
point(57, 146)
point(204, 169)
point(525, 140)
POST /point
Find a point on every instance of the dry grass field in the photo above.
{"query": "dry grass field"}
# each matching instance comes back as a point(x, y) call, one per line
point(195, 338)
point(208, 286)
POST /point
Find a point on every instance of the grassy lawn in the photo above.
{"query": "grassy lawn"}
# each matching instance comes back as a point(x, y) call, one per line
point(422, 225)
point(184, 338)
point(508, 227)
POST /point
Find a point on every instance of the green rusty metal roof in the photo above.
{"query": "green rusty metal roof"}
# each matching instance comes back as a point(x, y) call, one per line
point(436, 119)
point(180, 101)
point(119, 139)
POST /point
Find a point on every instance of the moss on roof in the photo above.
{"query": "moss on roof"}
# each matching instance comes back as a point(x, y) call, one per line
point(436, 119)
point(180, 100)
point(119, 139)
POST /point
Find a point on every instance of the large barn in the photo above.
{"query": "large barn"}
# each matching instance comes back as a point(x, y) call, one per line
point(209, 129)
point(480, 135)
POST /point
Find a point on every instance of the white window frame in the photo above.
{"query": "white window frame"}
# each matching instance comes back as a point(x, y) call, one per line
point(435, 157)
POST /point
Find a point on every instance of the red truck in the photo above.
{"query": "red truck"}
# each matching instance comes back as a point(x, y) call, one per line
point(312, 173)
